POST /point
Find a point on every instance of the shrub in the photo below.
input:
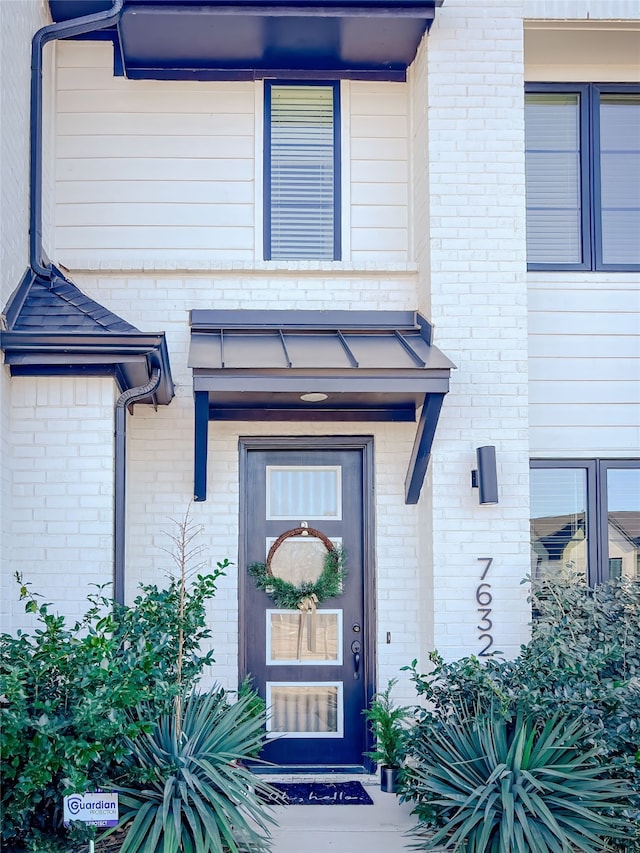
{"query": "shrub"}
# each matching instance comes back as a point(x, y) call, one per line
point(67, 693)
point(583, 661)
point(388, 724)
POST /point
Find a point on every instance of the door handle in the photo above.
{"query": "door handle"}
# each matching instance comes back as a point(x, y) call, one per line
point(356, 648)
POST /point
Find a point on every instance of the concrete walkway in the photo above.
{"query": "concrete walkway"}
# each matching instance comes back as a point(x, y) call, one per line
point(380, 828)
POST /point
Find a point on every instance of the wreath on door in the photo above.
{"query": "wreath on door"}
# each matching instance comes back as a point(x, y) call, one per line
point(308, 593)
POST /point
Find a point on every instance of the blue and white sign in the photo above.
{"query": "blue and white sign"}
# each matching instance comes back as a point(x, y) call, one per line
point(93, 808)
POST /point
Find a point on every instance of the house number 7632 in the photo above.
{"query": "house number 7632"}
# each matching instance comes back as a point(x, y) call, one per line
point(484, 600)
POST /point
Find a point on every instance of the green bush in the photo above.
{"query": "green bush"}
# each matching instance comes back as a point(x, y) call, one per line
point(583, 661)
point(67, 693)
point(389, 727)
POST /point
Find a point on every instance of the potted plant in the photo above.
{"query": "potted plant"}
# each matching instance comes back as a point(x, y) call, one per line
point(388, 726)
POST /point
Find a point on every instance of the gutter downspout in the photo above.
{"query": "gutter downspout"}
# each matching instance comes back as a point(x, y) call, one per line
point(119, 511)
point(38, 262)
point(41, 265)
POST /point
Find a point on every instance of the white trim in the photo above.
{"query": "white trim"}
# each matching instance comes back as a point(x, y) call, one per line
point(345, 169)
point(258, 173)
point(339, 733)
point(337, 661)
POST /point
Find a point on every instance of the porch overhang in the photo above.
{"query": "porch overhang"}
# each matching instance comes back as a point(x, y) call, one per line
point(248, 39)
point(51, 328)
point(311, 366)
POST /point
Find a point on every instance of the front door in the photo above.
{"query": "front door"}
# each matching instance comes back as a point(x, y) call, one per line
point(312, 669)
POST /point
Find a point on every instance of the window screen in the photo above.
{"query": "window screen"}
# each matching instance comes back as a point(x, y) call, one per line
point(301, 220)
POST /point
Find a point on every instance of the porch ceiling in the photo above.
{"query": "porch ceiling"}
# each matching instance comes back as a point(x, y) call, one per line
point(237, 39)
point(315, 366)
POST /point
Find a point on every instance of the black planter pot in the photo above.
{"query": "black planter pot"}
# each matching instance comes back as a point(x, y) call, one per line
point(389, 779)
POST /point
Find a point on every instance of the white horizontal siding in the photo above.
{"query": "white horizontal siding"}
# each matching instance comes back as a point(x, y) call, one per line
point(379, 118)
point(117, 145)
point(113, 238)
point(180, 192)
point(148, 170)
point(176, 215)
point(584, 365)
point(150, 124)
point(151, 171)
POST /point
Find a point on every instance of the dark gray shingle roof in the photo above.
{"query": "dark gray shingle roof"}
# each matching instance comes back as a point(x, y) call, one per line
point(60, 306)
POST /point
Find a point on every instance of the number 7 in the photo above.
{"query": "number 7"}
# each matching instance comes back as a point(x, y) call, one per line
point(488, 561)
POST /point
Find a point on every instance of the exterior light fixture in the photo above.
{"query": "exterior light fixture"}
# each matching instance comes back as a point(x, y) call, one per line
point(313, 398)
point(485, 476)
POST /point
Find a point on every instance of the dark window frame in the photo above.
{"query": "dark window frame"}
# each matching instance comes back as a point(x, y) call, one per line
point(337, 164)
point(596, 508)
point(590, 183)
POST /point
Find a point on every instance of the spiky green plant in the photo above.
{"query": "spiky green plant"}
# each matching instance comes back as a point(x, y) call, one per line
point(511, 787)
point(193, 795)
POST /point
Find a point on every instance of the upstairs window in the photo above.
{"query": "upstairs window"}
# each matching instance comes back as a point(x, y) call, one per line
point(583, 177)
point(302, 172)
point(585, 518)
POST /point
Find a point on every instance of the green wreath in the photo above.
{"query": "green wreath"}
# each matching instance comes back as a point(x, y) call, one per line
point(288, 596)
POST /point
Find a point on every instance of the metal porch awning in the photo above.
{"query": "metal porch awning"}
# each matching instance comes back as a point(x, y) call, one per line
point(249, 39)
point(312, 366)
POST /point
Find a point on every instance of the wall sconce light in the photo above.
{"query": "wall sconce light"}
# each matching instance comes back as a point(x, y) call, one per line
point(485, 476)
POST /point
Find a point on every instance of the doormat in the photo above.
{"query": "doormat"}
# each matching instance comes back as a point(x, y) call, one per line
point(322, 794)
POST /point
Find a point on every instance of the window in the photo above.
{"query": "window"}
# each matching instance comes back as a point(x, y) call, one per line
point(583, 176)
point(585, 517)
point(302, 171)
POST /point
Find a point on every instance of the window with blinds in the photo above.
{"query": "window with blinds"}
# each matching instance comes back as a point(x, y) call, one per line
point(302, 220)
point(620, 178)
point(554, 215)
point(583, 177)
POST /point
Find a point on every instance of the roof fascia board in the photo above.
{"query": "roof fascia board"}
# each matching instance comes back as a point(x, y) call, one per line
point(74, 342)
point(50, 352)
point(230, 75)
point(210, 320)
point(294, 382)
point(350, 414)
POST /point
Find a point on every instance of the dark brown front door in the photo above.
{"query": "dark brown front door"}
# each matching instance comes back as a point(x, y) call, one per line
point(313, 671)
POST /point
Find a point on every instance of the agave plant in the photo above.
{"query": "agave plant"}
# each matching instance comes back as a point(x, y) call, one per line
point(508, 787)
point(194, 796)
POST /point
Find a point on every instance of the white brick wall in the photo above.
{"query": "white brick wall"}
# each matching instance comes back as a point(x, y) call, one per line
point(61, 464)
point(478, 297)
point(19, 19)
